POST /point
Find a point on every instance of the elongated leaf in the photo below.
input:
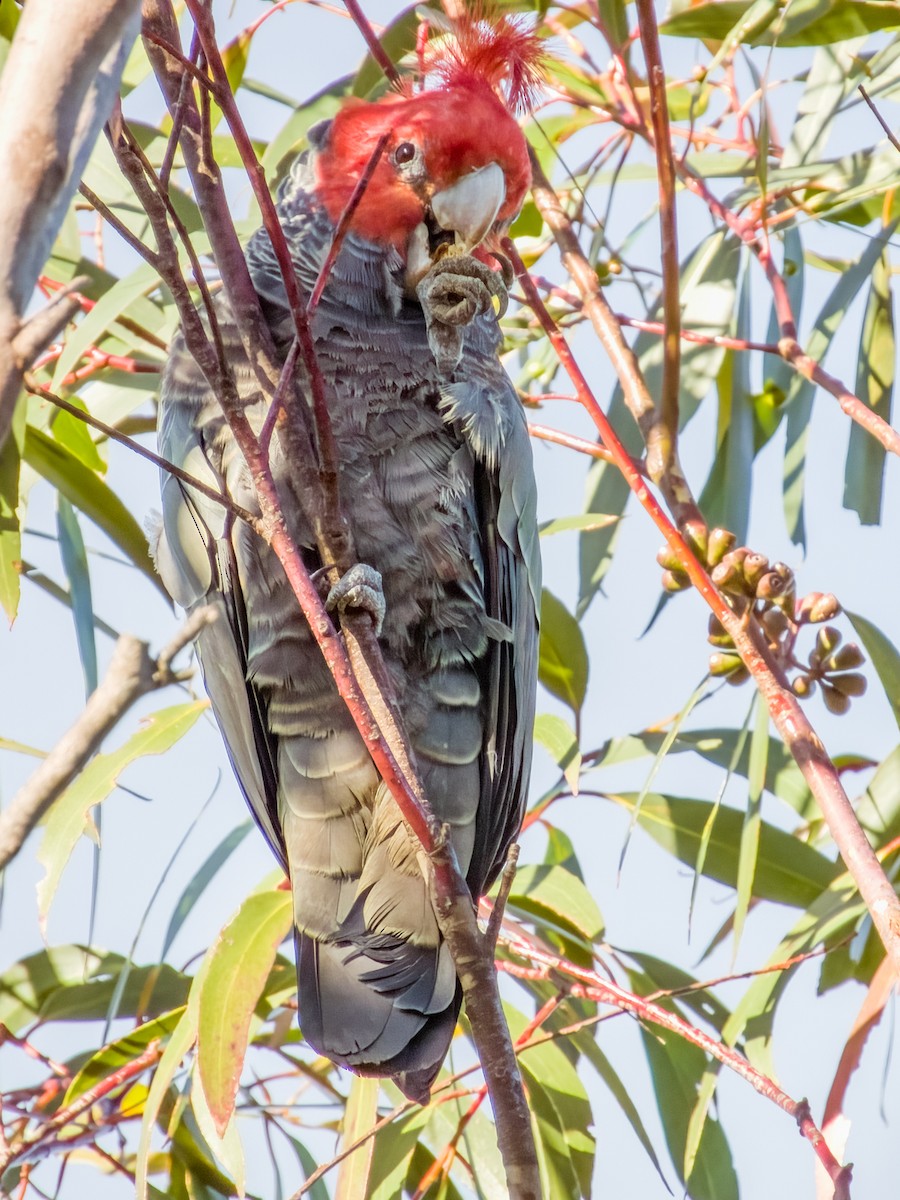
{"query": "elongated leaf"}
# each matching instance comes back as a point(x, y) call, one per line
point(182, 1038)
point(201, 880)
point(94, 497)
point(748, 854)
point(554, 895)
point(812, 25)
point(120, 1052)
point(864, 469)
point(563, 662)
point(801, 393)
point(10, 532)
point(236, 969)
point(74, 557)
point(788, 871)
point(112, 304)
point(71, 817)
point(558, 737)
point(360, 1115)
point(581, 522)
point(394, 1147)
point(884, 656)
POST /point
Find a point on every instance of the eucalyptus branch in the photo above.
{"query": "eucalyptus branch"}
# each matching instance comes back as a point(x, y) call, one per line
point(132, 673)
point(662, 441)
point(791, 722)
point(49, 121)
point(665, 472)
point(593, 986)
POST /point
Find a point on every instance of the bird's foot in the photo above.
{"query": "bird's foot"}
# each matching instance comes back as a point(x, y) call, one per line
point(361, 587)
point(452, 294)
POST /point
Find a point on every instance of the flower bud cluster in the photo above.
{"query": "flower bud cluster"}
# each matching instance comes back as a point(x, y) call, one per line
point(753, 586)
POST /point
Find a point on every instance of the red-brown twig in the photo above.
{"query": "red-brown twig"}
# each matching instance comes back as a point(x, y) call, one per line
point(64, 1116)
point(790, 720)
point(375, 47)
point(593, 986)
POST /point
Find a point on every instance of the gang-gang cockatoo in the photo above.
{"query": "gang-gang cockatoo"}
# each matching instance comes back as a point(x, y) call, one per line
point(437, 484)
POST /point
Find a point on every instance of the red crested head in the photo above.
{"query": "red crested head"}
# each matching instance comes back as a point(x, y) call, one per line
point(455, 165)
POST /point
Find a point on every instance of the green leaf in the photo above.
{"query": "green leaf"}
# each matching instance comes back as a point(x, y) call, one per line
point(148, 991)
point(10, 530)
point(558, 899)
point(291, 138)
point(120, 1052)
point(864, 469)
point(74, 436)
point(95, 499)
point(74, 558)
point(748, 853)
point(394, 1146)
point(113, 302)
point(788, 871)
point(182, 1038)
point(360, 1114)
point(582, 522)
point(397, 40)
point(802, 23)
point(558, 737)
point(235, 971)
point(884, 656)
point(677, 1068)
point(559, 1101)
point(200, 881)
point(800, 396)
point(70, 816)
point(563, 661)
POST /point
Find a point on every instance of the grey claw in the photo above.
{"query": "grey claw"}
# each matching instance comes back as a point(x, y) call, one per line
point(360, 587)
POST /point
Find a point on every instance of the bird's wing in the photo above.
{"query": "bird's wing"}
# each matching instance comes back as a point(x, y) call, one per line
point(195, 556)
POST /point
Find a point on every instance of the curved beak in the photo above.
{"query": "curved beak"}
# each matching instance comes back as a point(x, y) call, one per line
point(469, 207)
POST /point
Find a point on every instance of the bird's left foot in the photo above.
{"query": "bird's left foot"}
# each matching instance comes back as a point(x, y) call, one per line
point(361, 587)
point(452, 294)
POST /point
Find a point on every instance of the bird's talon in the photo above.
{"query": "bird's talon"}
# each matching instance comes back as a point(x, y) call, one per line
point(361, 587)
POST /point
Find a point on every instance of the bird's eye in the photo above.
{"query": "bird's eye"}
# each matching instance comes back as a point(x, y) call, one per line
point(404, 153)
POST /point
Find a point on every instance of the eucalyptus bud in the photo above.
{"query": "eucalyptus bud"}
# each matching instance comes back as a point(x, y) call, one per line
point(675, 581)
point(755, 566)
point(803, 686)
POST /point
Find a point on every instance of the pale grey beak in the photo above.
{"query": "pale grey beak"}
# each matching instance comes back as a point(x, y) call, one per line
point(470, 206)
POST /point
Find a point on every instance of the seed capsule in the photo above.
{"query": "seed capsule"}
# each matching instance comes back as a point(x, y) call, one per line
point(827, 641)
point(697, 537)
point(774, 622)
point(803, 686)
point(724, 664)
point(847, 658)
point(836, 702)
point(675, 581)
point(805, 607)
point(826, 608)
point(851, 684)
point(755, 566)
point(668, 559)
point(717, 635)
point(770, 586)
point(720, 542)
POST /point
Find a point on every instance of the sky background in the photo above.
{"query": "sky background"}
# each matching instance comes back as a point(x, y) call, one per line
point(634, 683)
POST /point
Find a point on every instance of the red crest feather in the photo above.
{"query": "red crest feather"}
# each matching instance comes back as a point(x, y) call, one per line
point(482, 47)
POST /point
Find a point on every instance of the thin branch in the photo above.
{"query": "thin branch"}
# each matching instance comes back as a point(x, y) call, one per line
point(662, 441)
point(375, 47)
point(132, 673)
point(593, 986)
point(667, 475)
point(116, 435)
point(891, 136)
point(797, 733)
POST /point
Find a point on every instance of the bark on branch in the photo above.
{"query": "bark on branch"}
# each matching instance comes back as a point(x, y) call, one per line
point(57, 88)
